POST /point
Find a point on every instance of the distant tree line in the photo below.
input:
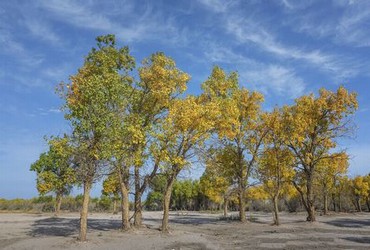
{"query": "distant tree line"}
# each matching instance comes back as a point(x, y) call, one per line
point(136, 128)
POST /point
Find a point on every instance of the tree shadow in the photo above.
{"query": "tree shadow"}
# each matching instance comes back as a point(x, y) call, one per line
point(66, 227)
point(350, 223)
point(364, 240)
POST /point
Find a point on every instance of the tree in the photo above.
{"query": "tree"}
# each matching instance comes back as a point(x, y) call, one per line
point(54, 171)
point(312, 127)
point(328, 171)
point(217, 186)
point(94, 95)
point(111, 188)
point(360, 189)
point(186, 127)
point(275, 169)
point(161, 82)
point(237, 124)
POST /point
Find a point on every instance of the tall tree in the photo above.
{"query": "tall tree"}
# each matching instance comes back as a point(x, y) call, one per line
point(54, 170)
point(94, 95)
point(238, 125)
point(160, 83)
point(312, 126)
point(276, 162)
point(186, 127)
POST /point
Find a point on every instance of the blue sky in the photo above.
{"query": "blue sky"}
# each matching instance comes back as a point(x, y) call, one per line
point(283, 48)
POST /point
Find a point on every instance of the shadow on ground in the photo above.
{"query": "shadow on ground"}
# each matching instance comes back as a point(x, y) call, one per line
point(66, 227)
point(365, 240)
point(350, 223)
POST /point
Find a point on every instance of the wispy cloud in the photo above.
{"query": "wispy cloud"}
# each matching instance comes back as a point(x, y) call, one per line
point(138, 25)
point(217, 6)
point(248, 31)
point(42, 30)
point(275, 79)
point(267, 78)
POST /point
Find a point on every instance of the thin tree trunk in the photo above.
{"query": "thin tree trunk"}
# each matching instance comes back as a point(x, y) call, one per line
point(115, 206)
point(368, 204)
point(84, 211)
point(166, 204)
point(276, 210)
point(58, 203)
point(325, 203)
point(242, 216)
point(226, 204)
point(138, 205)
point(310, 200)
point(334, 203)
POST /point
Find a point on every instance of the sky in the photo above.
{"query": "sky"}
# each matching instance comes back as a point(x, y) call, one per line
point(282, 48)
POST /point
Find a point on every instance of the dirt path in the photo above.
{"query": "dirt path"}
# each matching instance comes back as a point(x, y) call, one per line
point(188, 231)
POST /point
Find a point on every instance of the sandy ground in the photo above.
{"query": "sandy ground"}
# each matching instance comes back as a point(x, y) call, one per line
point(188, 231)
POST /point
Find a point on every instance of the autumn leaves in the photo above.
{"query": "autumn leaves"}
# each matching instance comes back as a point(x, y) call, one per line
point(136, 123)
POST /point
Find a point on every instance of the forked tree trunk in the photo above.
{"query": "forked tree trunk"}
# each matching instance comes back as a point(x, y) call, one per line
point(226, 204)
point(166, 204)
point(275, 201)
point(84, 211)
point(58, 203)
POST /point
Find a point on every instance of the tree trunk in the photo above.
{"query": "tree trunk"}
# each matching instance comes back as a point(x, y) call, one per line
point(226, 204)
point(310, 200)
point(334, 203)
point(368, 204)
point(166, 204)
point(58, 203)
point(115, 206)
point(138, 206)
point(242, 216)
point(276, 210)
point(358, 204)
point(84, 211)
point(325, 203)
point(125, 205)
point(340, 203)
point(138, 210)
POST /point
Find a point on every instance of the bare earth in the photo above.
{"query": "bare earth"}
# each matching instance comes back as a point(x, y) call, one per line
point(189, 230)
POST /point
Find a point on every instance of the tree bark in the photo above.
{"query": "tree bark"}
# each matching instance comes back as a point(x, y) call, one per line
point(166, 204)
point(325, 203)
point(310, 200)
point(115, 206)
point(242, 216)
point(125, 205)
point(226, 204)
point(84, 210)
point(358, 204)
point(276, 210)
point(58, 203)
point(138, 206)
point(368, 204)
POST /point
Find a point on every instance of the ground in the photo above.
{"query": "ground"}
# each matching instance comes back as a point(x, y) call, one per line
point(189, 230)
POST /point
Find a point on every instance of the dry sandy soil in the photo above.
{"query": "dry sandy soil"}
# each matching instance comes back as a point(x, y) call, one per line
point(188, 231)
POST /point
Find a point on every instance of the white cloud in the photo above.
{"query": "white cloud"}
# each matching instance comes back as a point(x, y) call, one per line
point(267, 78)
point(275, 79)
point(248, 31)
point(40, 29)
point(217, 6)
point(136, 26)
